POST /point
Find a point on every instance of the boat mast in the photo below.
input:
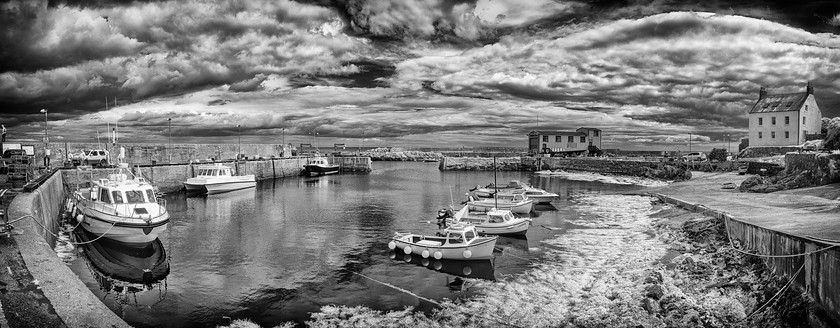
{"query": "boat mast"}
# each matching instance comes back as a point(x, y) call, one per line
point(495, 185)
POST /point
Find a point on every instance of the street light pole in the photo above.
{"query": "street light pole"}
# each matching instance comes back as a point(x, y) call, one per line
point(169, 122)
point(46, 138)
point(239, 131)
point(689, 142)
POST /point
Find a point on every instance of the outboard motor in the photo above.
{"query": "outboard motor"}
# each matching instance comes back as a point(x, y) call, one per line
point(443, 214)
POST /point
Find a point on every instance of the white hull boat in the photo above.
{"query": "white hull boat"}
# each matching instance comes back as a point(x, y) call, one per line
point(538, 195)
point(214, 179)
point(494, 222)
point(516, 203)
point(121, 209)
point(514, 187)
point(461, 242)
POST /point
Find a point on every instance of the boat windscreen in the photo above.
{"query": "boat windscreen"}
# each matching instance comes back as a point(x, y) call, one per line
point(134, 196)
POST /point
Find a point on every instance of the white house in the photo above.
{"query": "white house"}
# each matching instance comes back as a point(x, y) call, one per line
point(570, 142)
point(784, 119)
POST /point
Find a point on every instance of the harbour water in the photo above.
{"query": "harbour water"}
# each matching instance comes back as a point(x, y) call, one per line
point(288, 247)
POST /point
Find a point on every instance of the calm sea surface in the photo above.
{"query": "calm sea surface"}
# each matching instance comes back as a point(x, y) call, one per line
point(281, 251)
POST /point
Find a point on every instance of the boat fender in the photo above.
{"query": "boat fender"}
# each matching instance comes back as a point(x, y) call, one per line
point(407, 249)
point(425, 253)
point(467, 254)
point(467, 270)
point(80, 218)
point(407, 258)
point(438, 255)
point(392, 245)
point(424, 262)
point(392, 255)
point(438, 265)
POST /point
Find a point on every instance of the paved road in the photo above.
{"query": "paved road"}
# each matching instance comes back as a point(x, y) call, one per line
point(808, 212)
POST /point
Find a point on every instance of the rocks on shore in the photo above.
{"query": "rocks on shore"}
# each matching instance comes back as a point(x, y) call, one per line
point(781, 181)
point(669, 172)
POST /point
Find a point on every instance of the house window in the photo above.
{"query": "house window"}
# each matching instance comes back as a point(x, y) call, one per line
point(759, 135)
point(803, 120)
point(806, 108)
point(760, 120)
point(772, 134)
point(773, 120)
point(571, 139)
point(545, 138)
point(787, 134)
point(558, 139)
point(582, 139)
point(787, 120)
point(596, 133)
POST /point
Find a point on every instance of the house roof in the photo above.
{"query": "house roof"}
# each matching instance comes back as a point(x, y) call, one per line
point(556, 133)
point(780, 103)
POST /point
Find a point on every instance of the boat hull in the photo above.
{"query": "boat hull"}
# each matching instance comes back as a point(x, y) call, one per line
point(486, 205)
point(482, 224)
point(313, 170)
point(219, 185)
point(482, 249)
point(133, 230)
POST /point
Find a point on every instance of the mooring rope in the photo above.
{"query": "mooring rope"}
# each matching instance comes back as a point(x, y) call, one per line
point(55, 235)
point(781, 290)
point(433, 301)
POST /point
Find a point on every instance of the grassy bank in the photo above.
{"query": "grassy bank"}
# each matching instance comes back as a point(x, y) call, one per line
point(627, 261)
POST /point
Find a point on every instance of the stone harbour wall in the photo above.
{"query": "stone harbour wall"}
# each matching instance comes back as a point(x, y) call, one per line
point(651, 169)
point(140, 153)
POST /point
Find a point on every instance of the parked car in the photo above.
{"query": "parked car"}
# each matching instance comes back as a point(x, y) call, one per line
point(91, 157)
point(696, 156)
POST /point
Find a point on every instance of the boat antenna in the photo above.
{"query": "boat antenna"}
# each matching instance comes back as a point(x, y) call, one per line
point(495, 185)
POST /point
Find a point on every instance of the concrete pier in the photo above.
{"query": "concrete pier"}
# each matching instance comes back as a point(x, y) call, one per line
point(797, 232)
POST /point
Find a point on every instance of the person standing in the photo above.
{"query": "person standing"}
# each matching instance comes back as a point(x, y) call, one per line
point(46, 158)
point(4, 132)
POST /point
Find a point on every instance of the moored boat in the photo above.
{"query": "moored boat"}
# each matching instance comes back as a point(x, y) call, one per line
point(493, 222)
point(538, 195)
point(516, 203)
point(459, 242)
point(218, 178)
point(319, 166)
point(121, 208)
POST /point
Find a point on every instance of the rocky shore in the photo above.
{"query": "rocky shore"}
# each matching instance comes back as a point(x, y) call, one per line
point(640, 263)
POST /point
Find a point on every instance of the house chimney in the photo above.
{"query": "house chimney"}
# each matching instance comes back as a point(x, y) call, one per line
point(809, 88)
point(762, 93)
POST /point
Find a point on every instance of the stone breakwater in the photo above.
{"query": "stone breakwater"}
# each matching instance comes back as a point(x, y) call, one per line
point(385, 154)
point(649, 169)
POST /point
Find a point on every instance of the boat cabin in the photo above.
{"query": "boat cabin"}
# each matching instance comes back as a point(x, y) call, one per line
point(515, 198)
point(119, 191)
point(213, 171)
point(460, 234)
point(495, 216)
point(318, 161)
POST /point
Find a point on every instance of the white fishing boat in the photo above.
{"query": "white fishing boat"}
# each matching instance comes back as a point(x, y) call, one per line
point(539, 196)
point(460, 242)
point(218, 178)
point(493, 222)
point(516, 203)
point(122, 207)
point(319, 166)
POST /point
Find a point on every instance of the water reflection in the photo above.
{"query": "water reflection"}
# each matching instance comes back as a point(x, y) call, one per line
point(481, 269)
point(125, 270)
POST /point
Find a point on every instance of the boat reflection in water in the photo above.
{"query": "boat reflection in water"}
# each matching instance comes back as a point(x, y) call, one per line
point(125, 270)
point(480, 269)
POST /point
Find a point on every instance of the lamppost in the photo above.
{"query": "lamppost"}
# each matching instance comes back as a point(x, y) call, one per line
point(169, 122)
point(46, 139)
point(239, 131)
point(689, 142)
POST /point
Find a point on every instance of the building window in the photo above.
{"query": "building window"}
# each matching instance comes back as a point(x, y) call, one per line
point(772, 134)
point(545, 138)
point(571, 139)
point(773, 120)
point(806, 108)
point(582, 139)
point(803, 120)
point(787, 134)
point(558, 139)
point(596, 132)
point(787, 120)
point(760, 120)
point(759, 135)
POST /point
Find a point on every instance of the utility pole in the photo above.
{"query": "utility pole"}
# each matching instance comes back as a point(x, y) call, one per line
point(689, 142)
point(169, 150)
point(46, 140)
point(239, 150)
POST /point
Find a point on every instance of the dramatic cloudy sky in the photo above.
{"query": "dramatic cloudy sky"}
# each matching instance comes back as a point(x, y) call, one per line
point(417, 73)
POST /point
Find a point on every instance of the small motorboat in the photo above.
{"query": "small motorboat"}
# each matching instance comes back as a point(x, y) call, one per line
point(319, 166)
point(515, 187)
point(516, 203)
point(492, 188)
point(217, 178)
point(121, 208)
point(493, 222)
point(459, 242)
